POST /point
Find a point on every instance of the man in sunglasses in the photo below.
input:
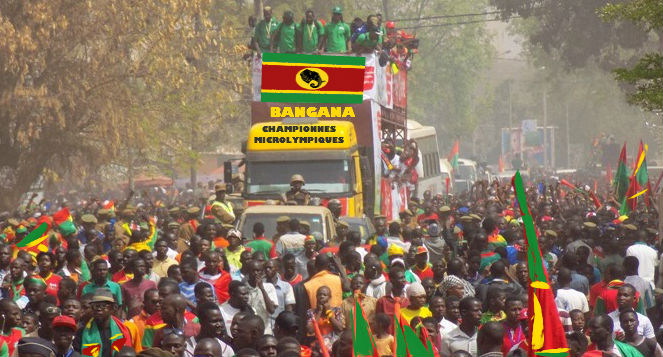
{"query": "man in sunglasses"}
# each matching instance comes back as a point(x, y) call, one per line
point(104, 331)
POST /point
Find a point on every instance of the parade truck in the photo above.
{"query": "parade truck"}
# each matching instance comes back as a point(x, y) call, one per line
point(337, 148)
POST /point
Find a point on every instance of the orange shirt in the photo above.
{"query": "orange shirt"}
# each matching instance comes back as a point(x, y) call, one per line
point(324, 278)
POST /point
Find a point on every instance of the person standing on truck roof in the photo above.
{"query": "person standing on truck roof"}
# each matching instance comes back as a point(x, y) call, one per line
point(284, 36)
point(296, 193)
point(337, 34)
point(222, 210)
point(263, 32)
point(309, 33)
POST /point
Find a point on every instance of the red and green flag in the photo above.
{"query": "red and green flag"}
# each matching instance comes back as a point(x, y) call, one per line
point(620, 183)
point(639, 185)
point(546, 336)
point(298, 78)
point(453, 156)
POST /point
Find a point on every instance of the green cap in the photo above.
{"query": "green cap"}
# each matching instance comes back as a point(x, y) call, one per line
point(337, 10)
point(67, 228)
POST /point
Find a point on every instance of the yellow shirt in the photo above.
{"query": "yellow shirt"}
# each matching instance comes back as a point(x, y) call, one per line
point(409, 314)
point(383, 345)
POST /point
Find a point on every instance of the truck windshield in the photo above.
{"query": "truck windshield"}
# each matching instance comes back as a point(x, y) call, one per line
point(269, 221)
point(326, 176)
point(466, 172)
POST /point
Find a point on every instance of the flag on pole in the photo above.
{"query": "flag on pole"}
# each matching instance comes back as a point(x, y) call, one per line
point(621, 181)
point(453, 156)
point(500, 164)
point(363, 342)
point(638, 183)
point(546, 336)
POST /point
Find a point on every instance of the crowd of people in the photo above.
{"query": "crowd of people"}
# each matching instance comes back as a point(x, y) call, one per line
point(314, 35)
point(142, 278)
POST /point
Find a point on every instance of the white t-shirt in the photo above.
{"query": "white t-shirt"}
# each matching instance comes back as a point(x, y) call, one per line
point(645, 328)
point(646, 257)
point(257, 302)
point(291, 242)
point(228, 312)
point(570, 299)
point(226, 351)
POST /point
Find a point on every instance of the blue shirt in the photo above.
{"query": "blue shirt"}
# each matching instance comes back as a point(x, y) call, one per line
point(187, 290)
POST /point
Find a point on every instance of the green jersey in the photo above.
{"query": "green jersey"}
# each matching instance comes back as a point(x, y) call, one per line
point(285, 38)
point(263, 33)
point(365, 40)
point(310, 35)
point(337, 36)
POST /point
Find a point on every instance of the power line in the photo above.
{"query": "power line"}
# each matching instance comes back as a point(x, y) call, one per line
point(449, 16)
point(458, 23)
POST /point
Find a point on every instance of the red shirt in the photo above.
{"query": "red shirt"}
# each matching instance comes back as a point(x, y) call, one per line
point(295, 280)
point(596, 291)
point(12, 339)
point(431, 217)
point(121, 277)
point(386, 304)
point(220, 285)
point(427, 272)
point(52, 284)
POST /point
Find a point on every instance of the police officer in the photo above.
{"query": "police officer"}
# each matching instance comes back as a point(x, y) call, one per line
point(221, 209)
point(296, 193)
point(334, 205)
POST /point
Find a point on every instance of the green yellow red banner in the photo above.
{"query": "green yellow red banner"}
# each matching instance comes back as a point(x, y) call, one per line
point(295, 78)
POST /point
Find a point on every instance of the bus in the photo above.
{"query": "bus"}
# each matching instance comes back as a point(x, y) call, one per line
point(428, 168)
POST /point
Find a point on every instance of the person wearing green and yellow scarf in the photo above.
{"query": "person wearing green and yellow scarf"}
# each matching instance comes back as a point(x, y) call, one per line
point(600, 333)
point(104, 334)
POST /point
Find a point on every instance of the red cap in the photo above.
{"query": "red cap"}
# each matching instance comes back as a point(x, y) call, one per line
point(421, 250)
point(390, 25)
point(65, 321)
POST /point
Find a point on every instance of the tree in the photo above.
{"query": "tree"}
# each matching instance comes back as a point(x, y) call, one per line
point(647, 74)
point(571, 32)
point(88, 81)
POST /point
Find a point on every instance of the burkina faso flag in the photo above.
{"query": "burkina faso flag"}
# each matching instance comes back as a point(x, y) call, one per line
point(295, 78)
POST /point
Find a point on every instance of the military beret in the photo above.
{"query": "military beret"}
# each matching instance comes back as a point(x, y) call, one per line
point(475, 216)
point(13, 222)
point(220, 187)
point(304, 223)
point(103, 212)
point(89, 218)
point(283, 219)
point(174, 210)
point(651, 231)
point(589, 225)
point(193, 210)
point(465, 218)
point(444, 209)
point(630, 227)
point(173, 224)
point(550, 232)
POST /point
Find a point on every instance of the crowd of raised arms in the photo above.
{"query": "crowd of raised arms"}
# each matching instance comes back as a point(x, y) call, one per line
point(163, 273)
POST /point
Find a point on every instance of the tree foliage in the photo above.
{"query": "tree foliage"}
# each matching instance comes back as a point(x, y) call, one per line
point(84, 83)
point(571, 32)
point(646, 76)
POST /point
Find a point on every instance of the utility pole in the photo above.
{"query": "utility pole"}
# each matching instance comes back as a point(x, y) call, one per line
point(385, 8)
point(257, 10)
point(568, 138)
point(545, 123)
point(510, 108)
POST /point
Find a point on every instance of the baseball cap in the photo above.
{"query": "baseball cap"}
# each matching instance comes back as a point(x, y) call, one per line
point(64, 321)
point(337, 10)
